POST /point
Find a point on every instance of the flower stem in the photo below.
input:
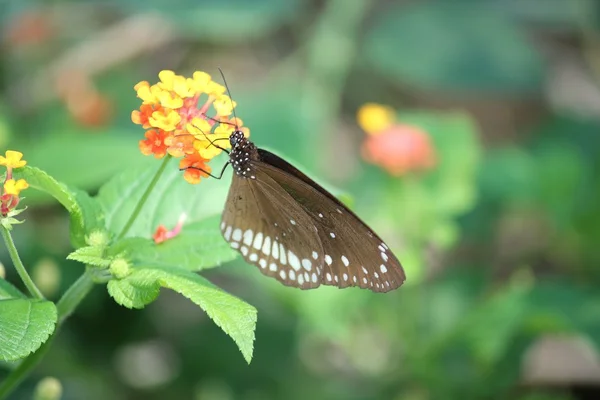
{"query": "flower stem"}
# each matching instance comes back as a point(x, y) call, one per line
point(14, 255)
point(74, 294)
point(144, 197)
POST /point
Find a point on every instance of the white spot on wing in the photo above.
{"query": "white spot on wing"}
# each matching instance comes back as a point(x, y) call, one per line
point(332, 234)
point(253, 257)
point(365, 280)
point(273, 267)
point(283, 259)
point(328, 276)
point(300, 279)
point(328, 259)
point(345, 261)
point(248, 237)
point(267, 246)
point(293, 260)
point(234, 245)
point(258, 241)
point(275, 250)
point(383, 268)
point(237, 235)
point(306, 264)
point(314, 277)
point(365, 270)
point(292, 222)
point(282, 274)
point(315, 255)
point(227, 234)
point(345, 275)
point(263, 263)
point(244, 251)
point(384, 256)
point(292, 275)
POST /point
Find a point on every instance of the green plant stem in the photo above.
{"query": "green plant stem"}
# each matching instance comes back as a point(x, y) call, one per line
point(17, 375)
point(74, 295)
point(144, 197)
point(14, 255)
point(338, 27)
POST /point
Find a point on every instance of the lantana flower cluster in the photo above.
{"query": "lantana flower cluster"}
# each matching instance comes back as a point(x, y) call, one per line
point(187, 118)
point(397, 147)
point(9, 199)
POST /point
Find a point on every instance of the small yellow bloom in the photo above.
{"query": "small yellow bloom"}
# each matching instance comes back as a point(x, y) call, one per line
point(202, 83)
point(375, 118)
point(176, 84)
point(170, 100)
point(199, 128)
point(13, 159)
point(167, 120)
point(14, 187)
point(148, 94)
point(224, 105)
point(207, 150)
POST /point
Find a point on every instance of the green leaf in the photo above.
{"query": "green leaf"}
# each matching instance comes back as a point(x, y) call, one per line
point(199, 246)
point(84, 211)
point(133, 292)
point(172, 197)
point(8, 291)
point(235, 317)
point(454, 46)
point(83, 159)
point(90, 255)
point(25, 324)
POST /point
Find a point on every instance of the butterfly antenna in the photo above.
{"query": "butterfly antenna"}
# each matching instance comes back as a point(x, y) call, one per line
point(229, 94)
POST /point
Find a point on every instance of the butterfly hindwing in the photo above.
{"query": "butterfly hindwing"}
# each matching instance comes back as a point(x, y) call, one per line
point(271, 231)
point(353, 254)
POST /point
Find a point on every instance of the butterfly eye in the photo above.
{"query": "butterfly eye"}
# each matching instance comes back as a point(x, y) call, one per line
point(233, 140)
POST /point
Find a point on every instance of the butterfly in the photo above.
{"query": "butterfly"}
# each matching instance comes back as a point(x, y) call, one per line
point(297, 232)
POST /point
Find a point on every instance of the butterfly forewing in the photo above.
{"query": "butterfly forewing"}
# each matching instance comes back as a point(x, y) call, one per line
point(272, 231)
point(353, 254)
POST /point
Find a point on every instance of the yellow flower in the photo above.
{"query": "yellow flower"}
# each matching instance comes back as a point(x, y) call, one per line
point(177, 84)
point(13, 159)
point(199, 128)
point(375, 118)
point(167, 120)
point(224, 105)
point(170, 100)
point(148, 94)
point(14, 187)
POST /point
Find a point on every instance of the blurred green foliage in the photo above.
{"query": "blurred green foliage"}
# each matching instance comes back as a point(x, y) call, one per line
point(498, 240)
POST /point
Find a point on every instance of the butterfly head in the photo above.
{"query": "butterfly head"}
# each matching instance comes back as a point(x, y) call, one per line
point(236, 138)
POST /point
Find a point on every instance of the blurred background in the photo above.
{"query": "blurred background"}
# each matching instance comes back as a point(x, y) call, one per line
point(464, 132)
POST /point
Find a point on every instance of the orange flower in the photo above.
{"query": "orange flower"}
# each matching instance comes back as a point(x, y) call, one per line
point(162, 233)
point(195, 168)
point(154, 143)
point(397, 148)
point(180, 145)
point(141, 116)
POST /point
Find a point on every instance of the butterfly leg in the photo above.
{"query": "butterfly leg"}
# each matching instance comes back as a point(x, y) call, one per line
point(208, 173)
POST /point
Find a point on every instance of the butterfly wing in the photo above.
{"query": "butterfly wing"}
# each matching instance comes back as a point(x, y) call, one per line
point(268, 228)
point(353, 254)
